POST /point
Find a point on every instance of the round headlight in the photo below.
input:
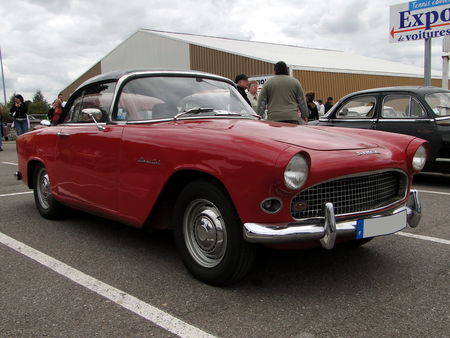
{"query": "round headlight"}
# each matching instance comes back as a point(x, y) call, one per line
point(420, 158)
point(296, 172)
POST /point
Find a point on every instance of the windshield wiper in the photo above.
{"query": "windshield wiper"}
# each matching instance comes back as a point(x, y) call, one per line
point(196, 110)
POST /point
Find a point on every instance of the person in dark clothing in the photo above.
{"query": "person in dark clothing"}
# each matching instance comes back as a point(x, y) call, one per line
point(242, 84)
point(19, 112)
point(328, 104)
point(312, 107)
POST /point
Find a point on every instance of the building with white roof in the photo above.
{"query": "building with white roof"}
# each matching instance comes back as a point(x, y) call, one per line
point(326, 72)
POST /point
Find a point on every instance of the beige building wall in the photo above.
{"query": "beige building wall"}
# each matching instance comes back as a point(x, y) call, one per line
point(143, 50)
point(324, 84)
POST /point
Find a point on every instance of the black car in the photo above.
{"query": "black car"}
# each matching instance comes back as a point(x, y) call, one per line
point(419, 111)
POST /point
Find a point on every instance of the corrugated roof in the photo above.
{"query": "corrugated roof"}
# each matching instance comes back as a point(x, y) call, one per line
point(300, 58)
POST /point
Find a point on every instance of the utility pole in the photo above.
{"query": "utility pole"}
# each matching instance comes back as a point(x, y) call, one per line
point(427, 74)
point(3, 76)
point(446, 51)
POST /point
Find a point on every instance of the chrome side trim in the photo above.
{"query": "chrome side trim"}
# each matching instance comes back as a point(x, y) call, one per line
point(324, 229)
point(385, 119)
point(352, 120)
point(440, 159)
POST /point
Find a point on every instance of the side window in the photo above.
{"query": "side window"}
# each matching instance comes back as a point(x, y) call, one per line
point(149, 98)
point(362, 107)
point(401, 107)
point(74, 109)
point(97, 96)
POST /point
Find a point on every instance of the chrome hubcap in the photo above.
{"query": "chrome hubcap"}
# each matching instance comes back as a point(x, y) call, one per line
point(43, 189)
point(204, 233)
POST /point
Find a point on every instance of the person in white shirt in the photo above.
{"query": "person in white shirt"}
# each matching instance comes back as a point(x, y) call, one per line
point(253, 94)
point(320, 107)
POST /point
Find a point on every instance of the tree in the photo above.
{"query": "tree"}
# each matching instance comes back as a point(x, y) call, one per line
point(39, 105)
point(39, 97)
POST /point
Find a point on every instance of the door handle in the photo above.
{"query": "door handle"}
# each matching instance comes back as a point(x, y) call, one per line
point(61, 134)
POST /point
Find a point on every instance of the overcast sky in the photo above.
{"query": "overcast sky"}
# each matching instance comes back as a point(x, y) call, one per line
point(46, 44)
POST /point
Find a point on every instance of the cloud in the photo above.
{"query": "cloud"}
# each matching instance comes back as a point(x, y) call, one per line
point(46, 44)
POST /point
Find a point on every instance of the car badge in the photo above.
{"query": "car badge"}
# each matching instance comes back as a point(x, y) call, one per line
point(153, 162)
point(367, 152)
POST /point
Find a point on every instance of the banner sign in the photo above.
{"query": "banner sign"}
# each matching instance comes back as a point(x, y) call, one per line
point(418, 20)
point(260, 79)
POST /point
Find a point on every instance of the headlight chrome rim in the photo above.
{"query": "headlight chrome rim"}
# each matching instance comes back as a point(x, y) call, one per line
point(296, 172)
point(420, 158)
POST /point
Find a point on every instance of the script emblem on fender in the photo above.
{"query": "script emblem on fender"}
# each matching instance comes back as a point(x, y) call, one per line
point(367, 152)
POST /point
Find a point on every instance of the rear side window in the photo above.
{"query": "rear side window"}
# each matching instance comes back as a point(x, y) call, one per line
point(362, 107)
point(402, 107)
point(97, 96)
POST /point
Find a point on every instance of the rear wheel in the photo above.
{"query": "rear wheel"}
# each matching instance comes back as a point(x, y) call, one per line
point(46, 204)
point(208, 235)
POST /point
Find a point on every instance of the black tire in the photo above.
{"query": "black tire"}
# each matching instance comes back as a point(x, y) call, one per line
point(355, 243)
point(46, 204)
point(208, 235)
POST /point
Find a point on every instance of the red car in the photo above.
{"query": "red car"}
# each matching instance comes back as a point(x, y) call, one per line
point(183, 151)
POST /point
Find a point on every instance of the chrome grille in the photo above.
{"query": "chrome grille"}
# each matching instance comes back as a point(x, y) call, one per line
point(351, 194)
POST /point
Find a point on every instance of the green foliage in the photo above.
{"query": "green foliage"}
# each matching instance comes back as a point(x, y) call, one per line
point(10, 102)
point(39, 97)
point(39, 107)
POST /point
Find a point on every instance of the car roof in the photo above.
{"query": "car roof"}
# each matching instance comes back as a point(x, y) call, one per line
point(116, 75)
point(410, 89)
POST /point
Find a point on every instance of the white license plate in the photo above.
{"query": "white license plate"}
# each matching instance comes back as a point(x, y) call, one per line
point(380, 226)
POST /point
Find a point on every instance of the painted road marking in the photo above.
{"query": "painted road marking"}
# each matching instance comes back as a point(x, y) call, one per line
point(425, 238)
point(147, 311)
point(434, 192)
point(17, 193)
point(10, 163)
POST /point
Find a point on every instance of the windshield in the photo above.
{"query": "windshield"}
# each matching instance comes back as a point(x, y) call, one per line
point(156, 98)
point(439, 103)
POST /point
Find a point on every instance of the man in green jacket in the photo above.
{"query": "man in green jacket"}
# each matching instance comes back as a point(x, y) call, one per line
point(282, 96)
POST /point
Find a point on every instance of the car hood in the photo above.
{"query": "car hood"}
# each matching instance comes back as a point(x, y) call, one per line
point(309, 137)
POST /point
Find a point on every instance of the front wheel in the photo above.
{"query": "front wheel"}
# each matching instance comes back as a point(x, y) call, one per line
point(46, 204)
point(208, 235)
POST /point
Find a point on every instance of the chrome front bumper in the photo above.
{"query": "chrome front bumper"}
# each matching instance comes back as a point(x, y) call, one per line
point(326, 228)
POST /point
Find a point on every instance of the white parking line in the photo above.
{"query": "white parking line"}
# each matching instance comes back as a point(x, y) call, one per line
point(147, 311)
point(17, 193)
point(435, 192)
point(425, 238)
point(10, 163)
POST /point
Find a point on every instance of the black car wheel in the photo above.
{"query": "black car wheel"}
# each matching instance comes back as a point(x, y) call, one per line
point(46, 204)
point(208, 235)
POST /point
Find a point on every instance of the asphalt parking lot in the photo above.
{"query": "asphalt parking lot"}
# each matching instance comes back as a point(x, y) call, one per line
point(89, 277)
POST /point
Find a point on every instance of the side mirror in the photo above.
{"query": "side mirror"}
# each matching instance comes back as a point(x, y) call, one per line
point(95, 114)
point(45, 123)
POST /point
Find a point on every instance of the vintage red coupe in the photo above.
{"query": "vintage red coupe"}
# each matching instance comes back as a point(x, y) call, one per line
point(183, 151)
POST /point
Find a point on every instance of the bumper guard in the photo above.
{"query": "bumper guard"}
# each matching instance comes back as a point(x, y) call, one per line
point(325, 228)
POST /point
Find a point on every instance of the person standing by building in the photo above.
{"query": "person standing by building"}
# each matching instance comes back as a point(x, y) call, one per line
point(253, 94)
point(312, 107)
point(328, 104)
point(282, 96)
point(241, 81)
point(19, 112)
point(320, 107)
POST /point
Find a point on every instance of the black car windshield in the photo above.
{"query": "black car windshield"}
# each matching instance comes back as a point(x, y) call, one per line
point(166, 97)
point(439, 103)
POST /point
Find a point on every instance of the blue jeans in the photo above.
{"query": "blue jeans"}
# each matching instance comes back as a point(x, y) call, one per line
point(21, 126)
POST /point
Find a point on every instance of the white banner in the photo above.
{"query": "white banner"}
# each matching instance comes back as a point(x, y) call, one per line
point(418, 20)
